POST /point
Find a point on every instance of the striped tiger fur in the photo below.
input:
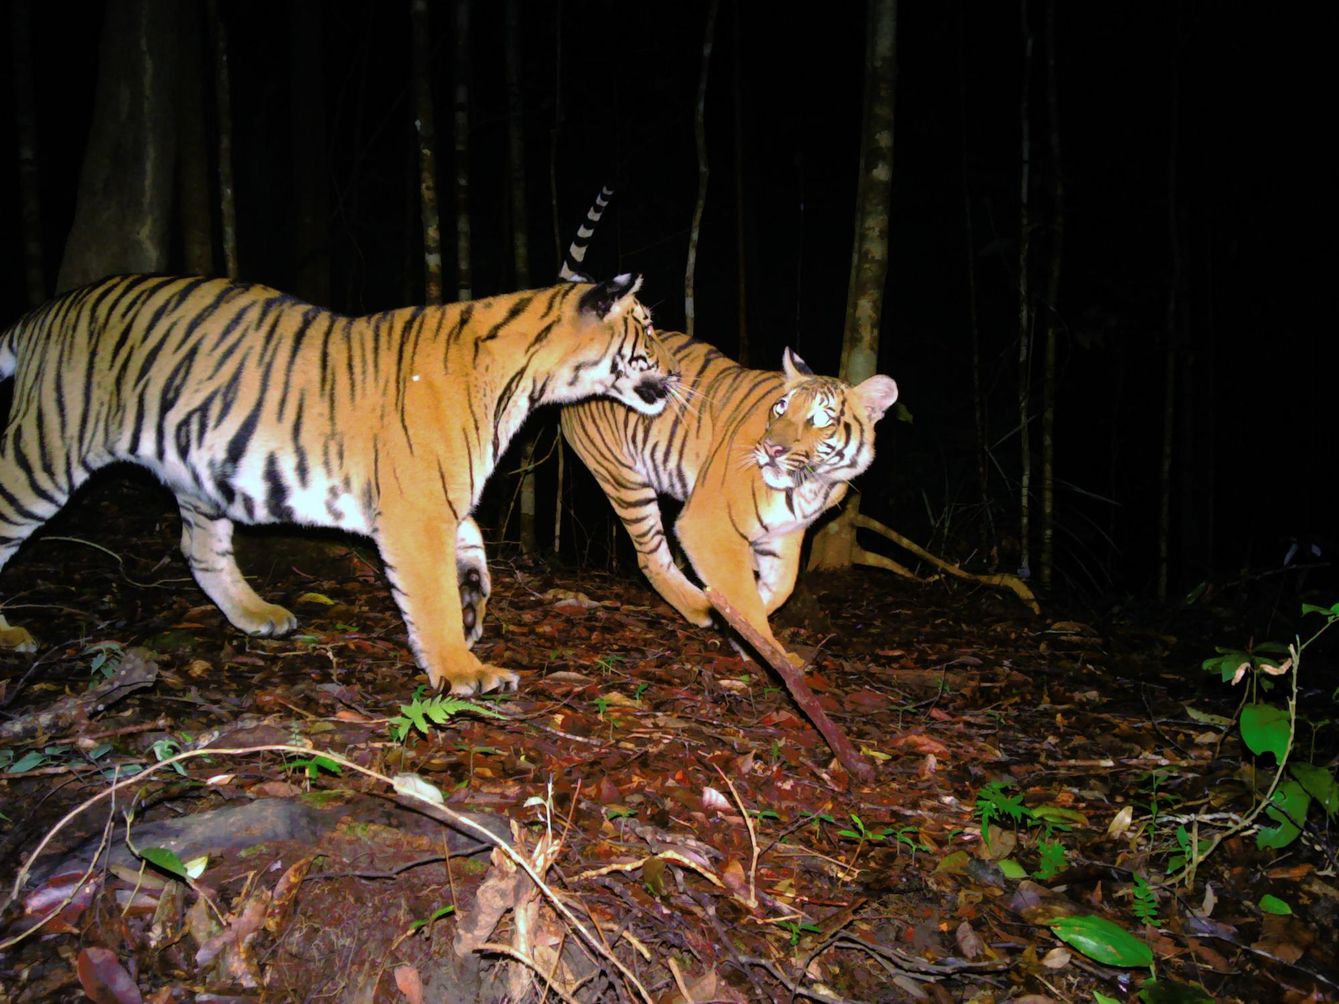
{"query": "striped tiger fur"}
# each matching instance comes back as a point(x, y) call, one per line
point(756, 456)
point(254, 407)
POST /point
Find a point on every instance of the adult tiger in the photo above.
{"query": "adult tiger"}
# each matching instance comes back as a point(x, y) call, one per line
point(254, 407)
point(755, 456)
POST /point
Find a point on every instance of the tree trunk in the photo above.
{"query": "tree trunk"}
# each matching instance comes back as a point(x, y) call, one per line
point(869, 258)
point(311, 183)
point(1170, 328)
point(25, 126)
point(1052, 308)
point(123, 209)
point(1025, 312)
point(555, 134)
point(986, 526)
point(427, 164)
point(520, 245)
point(223, 101)
point(835, 545)
point(193, 199)
point(742, 344)
point(700, 133)
point(464, 274)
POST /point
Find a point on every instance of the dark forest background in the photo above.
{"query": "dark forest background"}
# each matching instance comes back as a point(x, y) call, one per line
point(1191, 154)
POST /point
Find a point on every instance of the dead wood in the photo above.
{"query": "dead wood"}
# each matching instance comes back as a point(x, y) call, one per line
point(799, 690)
point(135, 672)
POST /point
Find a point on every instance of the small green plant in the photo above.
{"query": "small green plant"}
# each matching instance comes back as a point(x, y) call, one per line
point(1268, 728)
point(427, 921)
point(608, 662)
point(1145, 902)
point(796, 928)
point(1178, 860)
point(313, 765)
point(1053, 859)
point(993, 802)
point(421, 714)
point(107, 657)
point(864, 835)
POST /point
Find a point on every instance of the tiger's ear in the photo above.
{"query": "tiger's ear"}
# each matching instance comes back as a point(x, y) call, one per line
point(609, 299)
point(793, 366)
point(876, 395)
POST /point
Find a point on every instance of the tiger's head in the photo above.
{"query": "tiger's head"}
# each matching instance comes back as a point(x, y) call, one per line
point(820, 428)
point(630, 365)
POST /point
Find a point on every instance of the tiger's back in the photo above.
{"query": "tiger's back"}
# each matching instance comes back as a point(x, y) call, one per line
point(255, 407)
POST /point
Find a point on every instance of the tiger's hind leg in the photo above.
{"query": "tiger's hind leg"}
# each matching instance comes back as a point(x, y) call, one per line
point(472, 574)
point(206, 541)
point(32, 490)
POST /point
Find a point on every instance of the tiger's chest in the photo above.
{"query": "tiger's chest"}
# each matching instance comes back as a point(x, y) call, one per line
point(781, 513)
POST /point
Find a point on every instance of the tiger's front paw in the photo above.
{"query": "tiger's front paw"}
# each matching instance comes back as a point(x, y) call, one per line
point(268, 620)
point(469, 677)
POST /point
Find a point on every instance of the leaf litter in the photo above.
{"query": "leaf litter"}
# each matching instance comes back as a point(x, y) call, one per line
point(651, 819)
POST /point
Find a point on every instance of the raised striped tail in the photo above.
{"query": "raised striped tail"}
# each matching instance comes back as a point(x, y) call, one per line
point(576, 251)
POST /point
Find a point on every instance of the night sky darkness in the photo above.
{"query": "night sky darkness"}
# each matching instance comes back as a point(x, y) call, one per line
point(1250, 115)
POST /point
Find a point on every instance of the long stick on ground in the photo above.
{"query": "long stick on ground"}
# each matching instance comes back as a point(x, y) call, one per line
point(799, 690)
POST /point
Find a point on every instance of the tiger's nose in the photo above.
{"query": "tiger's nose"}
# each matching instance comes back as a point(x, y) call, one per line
point(773, 450)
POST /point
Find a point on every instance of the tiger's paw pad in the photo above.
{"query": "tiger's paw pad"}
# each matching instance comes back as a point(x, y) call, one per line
point(474, 590)
point(267, 621)
point(481, 680)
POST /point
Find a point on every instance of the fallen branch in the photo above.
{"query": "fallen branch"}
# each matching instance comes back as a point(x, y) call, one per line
point(799, 690)
point(134, 672)
point(834, 547)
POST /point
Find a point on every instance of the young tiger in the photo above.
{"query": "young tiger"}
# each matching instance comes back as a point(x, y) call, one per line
point(755, 456)
point(254, 407)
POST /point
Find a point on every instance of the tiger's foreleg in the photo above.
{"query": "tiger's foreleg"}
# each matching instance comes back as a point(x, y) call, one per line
point(777, 563)
point(206, 541)
point(723, 558)
point(422, 566)
point(656, 561)
point(472, 578)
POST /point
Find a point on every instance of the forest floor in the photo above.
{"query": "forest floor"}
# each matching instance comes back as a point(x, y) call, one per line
point(695, 837)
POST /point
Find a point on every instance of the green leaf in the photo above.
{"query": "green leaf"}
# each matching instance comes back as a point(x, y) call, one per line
point(1311, 608)
point(1270, 903)
point(437, 914)
point(1319, 784)
point(1264, 727)
point(165, 860)
point(29, 761)
point(1058, 817)
point(1290, 802)
point(1170, 992)
point(1012, 869)
point(1102, 940)
point(1205, 718)
point(1102, 998)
